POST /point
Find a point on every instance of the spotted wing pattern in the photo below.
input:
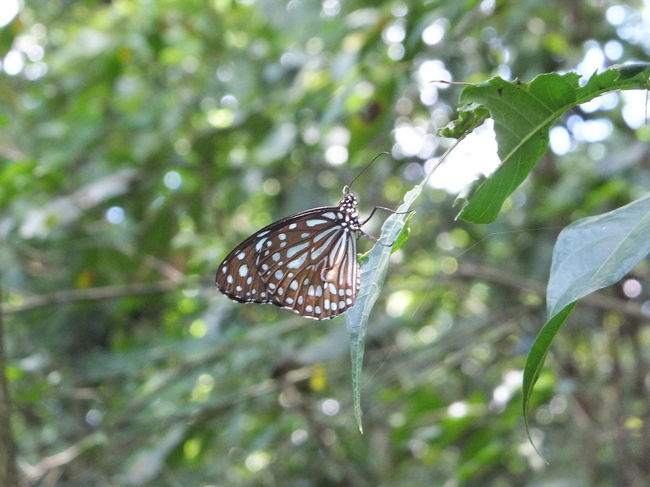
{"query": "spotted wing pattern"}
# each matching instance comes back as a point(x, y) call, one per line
point(305, 262)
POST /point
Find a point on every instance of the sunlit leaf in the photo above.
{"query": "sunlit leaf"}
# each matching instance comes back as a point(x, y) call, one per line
point(523, 114)
point(589, 254)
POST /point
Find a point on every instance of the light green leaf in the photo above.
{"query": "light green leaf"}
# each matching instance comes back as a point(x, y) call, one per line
point(589, 254)
point(373, 273)
point(596, 252)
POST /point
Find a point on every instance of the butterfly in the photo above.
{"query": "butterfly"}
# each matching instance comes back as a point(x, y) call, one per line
point(306, 262)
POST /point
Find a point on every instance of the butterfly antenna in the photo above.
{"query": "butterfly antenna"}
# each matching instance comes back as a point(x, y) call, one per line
point(346, 188)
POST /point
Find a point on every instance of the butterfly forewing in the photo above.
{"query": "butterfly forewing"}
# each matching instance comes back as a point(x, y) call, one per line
point(305, 262)
point(238, 278)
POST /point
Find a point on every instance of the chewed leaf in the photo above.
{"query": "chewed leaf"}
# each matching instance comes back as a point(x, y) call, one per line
point(469, 117)
point(523, 114)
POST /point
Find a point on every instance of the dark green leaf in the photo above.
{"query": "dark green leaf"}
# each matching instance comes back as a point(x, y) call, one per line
point(523, 114)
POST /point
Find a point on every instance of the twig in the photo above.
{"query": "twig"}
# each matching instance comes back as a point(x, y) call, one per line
point(90, 294)
point(35, 472)
point(596, 300)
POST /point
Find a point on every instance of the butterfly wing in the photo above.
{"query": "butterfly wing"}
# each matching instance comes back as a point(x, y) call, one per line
point(237, 276)
point(305, 262)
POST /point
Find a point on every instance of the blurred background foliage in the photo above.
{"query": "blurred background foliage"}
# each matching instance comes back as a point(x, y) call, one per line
point(141, 140)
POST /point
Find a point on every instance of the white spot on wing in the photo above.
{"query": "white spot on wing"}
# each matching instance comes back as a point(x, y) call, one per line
point(337, 254)
point(316, 253)
point(295, 249)
point(315, 221)
point(241, 255)
point(324, 233)
point(243, 270)
point(294, 264)
point(292, 226)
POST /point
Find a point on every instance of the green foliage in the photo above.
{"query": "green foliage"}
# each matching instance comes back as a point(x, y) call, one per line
point(373, 273)
point(589, 254)
point(597, 251)
point(140, 141)
point(523, 114)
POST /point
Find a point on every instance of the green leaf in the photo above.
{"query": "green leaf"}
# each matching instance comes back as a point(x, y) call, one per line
point(373, 273)
point(469, 117)
point(596, 252)
point(536, 358)
point(523, 114)
point(589, 254)
point(403, 234)
point(399, 241)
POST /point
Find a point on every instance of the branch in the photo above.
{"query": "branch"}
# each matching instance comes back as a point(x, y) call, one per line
point(35, 472)
point(90, 294)
point(596, 300)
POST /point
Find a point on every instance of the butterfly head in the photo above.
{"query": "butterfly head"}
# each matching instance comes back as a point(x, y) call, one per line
point(349, 202)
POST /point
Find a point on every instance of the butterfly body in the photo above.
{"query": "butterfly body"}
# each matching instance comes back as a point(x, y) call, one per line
point(305, 262)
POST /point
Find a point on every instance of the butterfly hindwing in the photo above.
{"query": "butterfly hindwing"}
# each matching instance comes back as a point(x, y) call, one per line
point(314, 272)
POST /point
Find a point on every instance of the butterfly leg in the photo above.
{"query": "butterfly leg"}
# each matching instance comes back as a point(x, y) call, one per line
point(376, 240)
point(372, 237)
point(385, 209)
